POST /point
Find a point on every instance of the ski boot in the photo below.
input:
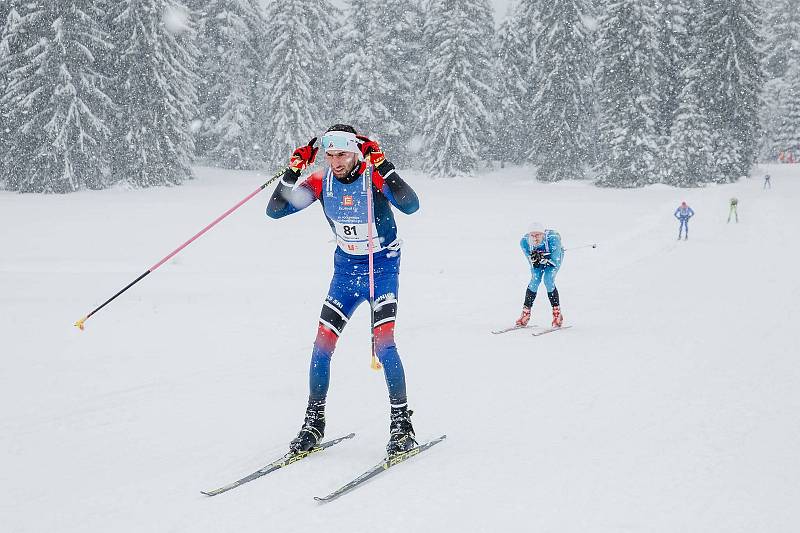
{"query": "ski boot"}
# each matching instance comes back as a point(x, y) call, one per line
point(313, 428)
point(401, 432)
point(558, 318)
point(523, 319)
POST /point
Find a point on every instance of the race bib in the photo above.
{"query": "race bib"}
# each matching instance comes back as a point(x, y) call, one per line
point(352, 238)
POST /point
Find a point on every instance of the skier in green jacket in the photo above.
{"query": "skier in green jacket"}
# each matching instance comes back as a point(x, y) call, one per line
point(733, 212)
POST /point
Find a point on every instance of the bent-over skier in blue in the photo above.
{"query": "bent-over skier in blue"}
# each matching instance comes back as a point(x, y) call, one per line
point(683, 214)
point(341, 189)
point(543, 250)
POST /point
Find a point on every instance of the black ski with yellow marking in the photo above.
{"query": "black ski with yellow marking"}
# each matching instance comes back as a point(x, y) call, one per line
point(386, 464)
point(286, 460)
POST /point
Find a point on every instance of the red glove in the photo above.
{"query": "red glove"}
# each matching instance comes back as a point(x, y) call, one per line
point(370, 149)
point(303, 156)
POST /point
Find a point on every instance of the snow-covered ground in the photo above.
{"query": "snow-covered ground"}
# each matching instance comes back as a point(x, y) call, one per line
point(671, 405)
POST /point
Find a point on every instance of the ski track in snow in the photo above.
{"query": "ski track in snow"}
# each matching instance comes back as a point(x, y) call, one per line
point(671, 405)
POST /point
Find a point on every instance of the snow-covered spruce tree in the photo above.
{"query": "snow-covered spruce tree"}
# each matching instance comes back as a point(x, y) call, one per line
point(455, 121)
point(689, 159)
point(399, 25)
point(729, 63)
point(55, 99)
point(726, 156)
point(563, 99)
point(5, 9)
point(365, 90)
point(300, 77)
point(672, 58)
point(197, 7)
point(770, 118)
point(510, 110)
point(528, 16)
point(528, 13)
point(781, 36)
point(786, 136)
point(156, 75)
point(625, 80)
point(229, 41)
point(781, 43)
point(9, 49)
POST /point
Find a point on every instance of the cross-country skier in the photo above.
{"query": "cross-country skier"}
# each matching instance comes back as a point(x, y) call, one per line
point(542, 248)
point(683, 214)
point(732, 211)
point(767, 181)
point(341, 189)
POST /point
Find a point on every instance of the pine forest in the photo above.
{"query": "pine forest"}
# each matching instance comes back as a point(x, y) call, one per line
point(625, 93)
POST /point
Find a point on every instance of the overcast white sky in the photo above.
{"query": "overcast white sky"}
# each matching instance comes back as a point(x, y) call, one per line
point(500, 8)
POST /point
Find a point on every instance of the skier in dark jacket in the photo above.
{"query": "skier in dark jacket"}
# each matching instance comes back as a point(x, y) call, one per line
point(341, 189)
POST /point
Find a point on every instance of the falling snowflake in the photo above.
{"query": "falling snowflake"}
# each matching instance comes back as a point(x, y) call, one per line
point(176, 19)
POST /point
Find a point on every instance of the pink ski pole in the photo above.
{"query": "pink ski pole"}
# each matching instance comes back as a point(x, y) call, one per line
point(374, 364)
point(80, 322)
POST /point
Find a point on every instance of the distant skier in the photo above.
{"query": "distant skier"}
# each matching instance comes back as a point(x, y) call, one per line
point(733, 212)
point(767, 181)
point(683, 214)
point(542, 248)
point(341, 189)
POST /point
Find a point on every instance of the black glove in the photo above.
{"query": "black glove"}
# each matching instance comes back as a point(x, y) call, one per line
point(540, 259)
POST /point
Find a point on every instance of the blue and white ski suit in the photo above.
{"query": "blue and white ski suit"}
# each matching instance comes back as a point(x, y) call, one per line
point(554, 253)
point(683, 214)
point(551, 244)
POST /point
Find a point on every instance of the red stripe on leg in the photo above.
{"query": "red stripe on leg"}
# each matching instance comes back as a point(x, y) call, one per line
point(384, 335)
point(326, 339)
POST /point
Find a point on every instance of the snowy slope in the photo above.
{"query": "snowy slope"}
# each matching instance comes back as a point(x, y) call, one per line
point(671, 405)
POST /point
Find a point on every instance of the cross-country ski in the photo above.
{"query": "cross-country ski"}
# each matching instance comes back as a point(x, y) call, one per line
point(513, 328)
point(544, 331)
point(387, 463)
point(285, 460)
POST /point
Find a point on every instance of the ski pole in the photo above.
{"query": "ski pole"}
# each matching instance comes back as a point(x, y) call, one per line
point(80, 322)
point(593, 245)
point(375, 364)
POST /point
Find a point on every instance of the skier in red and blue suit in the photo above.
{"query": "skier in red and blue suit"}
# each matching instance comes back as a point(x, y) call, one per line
point(341, 189)
point(683, 214)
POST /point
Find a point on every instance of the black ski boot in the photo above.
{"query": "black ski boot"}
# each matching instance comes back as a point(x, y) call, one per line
point(401, 432)
point(313, 428)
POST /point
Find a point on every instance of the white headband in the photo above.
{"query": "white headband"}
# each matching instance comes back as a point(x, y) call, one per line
point(341, 140)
